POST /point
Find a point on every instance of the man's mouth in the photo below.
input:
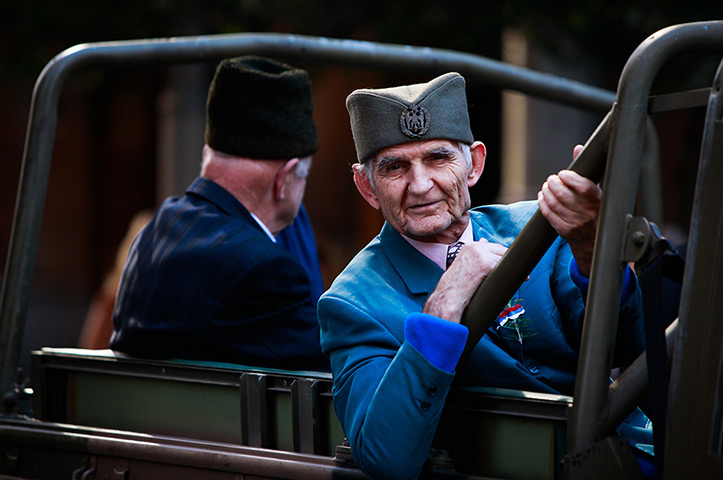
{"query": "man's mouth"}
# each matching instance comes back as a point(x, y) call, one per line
point(423, 207)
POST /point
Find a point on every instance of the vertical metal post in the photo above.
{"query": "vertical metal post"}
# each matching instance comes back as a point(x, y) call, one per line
point(621, 178)
point(26, 229)
point(695, 399)
point(650, 188)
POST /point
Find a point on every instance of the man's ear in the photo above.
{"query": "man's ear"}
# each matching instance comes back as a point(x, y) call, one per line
point(479, 154)
point(281, 178)
point(365, 188)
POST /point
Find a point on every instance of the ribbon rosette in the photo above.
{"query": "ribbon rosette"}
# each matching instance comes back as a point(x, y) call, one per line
point(512, 312)
point(510, 318)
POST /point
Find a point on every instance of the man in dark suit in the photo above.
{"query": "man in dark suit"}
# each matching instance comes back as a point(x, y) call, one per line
point(206, 278)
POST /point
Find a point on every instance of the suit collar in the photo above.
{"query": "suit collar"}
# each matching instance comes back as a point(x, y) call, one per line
point(419, 273)
point(214, 193)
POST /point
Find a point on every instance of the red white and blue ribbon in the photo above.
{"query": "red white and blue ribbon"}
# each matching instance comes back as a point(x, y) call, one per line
point(512, 312)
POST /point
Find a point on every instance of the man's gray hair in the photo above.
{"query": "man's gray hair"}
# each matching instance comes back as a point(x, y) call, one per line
point(303, 167)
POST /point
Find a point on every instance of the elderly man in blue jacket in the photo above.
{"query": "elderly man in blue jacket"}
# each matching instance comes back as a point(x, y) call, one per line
point(391, 320)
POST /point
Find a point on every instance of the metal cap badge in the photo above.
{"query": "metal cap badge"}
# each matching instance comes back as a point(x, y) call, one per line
point(414, 121)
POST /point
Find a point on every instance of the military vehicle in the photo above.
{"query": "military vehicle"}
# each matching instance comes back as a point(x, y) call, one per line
point(99, 414)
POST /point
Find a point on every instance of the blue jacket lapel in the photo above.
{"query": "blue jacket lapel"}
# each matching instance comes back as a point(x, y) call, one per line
point(419, 273)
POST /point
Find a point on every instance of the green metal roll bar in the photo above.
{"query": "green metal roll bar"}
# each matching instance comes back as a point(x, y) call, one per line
point(624, 130)
point(596, 406)
point(619, 139)
point(621, 179)
point(40, 136)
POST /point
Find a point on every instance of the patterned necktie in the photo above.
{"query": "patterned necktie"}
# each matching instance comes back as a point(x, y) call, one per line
point(452, 252)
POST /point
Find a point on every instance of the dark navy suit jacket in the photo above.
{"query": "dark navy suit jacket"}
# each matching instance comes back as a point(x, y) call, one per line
point(203, 281)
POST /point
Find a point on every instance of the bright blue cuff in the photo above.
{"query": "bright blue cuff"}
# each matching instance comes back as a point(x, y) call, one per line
point(583, 282)
point(440, 341)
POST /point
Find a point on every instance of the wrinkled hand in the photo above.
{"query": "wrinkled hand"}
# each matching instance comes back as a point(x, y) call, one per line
point(473, 264)
point(571, 203)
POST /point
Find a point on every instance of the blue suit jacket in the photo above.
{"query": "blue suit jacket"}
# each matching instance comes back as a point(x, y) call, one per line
point(203, 281)
point(298, 238)
point(388, 396)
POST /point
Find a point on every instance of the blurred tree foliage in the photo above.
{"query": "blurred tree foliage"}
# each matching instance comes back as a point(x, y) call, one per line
point(606, 31)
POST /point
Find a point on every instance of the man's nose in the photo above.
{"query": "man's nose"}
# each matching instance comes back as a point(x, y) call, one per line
point(420, 180)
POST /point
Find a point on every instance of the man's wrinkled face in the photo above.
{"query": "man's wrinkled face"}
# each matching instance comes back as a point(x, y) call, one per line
point(422, 188)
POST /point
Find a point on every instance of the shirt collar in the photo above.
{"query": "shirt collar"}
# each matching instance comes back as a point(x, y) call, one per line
point(263, 227)
point(437, 252)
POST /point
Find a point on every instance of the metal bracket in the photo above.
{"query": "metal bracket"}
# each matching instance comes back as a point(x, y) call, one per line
point(254, 417)
point(644, 243)
point(639, 238)
point(343, 456)
point(87, 470)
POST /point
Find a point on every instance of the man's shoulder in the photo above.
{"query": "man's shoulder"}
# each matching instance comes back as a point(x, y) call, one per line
point(518, 212)
point(503, 220)
point(189, 227)
point(388, 270)
point(365, 272)
point(196, 216)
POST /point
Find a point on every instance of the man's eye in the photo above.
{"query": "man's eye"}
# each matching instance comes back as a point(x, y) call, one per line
point(439, 159)
point(393, 168)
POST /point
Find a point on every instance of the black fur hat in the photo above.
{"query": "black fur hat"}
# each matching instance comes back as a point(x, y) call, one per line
point(259, 108)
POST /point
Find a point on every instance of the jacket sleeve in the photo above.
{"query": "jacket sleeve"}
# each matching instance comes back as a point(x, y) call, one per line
point(569, 284)
point(630, 339)
point(387, 395)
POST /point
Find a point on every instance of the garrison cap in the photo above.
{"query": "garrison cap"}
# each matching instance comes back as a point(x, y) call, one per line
point(259, 108)
point(384, 117)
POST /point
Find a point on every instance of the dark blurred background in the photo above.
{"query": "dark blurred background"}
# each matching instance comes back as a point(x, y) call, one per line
point(127, 138)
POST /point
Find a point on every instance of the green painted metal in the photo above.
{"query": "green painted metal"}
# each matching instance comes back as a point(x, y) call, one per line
point(201, 400)
point(629, 119)
point(207, 401)
point(494, 444)
point(41, 450)
point(140, 404)
point(40, 138)
point(528, 248)
point(695, 402)
point(262, 407)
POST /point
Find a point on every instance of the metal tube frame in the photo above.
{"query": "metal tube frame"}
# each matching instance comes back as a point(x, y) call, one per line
point(695, 399)
point(158, 449)
point(621, 179)
point(528, 248)
point(40, 135)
